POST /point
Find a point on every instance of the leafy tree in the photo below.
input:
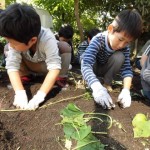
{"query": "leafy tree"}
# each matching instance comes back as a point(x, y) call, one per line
point(8, 2)
point(62, 11)
point(91, 13)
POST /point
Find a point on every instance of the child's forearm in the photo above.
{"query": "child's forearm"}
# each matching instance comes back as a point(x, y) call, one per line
point(127, 82)
point(49, 80)
point(15, 80)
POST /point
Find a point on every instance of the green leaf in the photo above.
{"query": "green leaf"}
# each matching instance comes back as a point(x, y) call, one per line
point(75, 127)
point(142, 130)
point(71, 110)
point(90, 143)
point(73, 107)
point(68, 130)
point(83, 132)
point(76, 120)
point(66, 120)
point(139, 118)
point(79, 121)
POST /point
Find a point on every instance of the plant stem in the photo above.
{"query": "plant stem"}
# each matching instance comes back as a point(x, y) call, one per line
point(76, 129)
point(99, 132)
point(102, 114)
point(93, 118)
point(62, 100)
point(44, 106)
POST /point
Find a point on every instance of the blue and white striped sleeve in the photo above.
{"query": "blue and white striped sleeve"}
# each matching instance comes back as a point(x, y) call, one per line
point(89, 58)
point(126, 69)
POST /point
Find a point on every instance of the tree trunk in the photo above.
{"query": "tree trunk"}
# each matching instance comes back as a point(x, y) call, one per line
point(79, 25)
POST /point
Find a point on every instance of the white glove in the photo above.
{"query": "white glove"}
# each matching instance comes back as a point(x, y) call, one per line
point(36, 100)
point(124, 98)
point(20, 100)
point(101, 96)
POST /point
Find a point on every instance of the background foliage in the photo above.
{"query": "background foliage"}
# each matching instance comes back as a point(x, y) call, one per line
point(92, 13)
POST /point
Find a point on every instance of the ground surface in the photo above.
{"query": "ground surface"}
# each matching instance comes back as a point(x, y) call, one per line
point(37, 130)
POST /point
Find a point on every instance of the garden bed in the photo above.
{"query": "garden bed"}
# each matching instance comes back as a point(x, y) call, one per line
point(28, 130)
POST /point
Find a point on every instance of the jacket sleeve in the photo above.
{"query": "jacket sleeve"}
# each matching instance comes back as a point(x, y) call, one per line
point(126, 69)
point(53, 60)
point(88, 60)
point(13, 60)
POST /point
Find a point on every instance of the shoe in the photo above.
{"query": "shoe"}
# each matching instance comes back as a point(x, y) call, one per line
point(25, 79)
point(62, 82)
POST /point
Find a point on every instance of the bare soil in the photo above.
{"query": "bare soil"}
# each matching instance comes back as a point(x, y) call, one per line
point(37, 130)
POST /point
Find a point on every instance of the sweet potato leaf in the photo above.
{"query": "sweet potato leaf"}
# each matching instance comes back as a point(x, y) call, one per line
point(141, 129)
point(71, 110)
point(68, 130)
point(79, 120)
point(90, 142)
point(83, 132)
point(76, 128)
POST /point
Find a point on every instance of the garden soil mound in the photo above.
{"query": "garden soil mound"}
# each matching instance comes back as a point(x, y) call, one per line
point(39, 130)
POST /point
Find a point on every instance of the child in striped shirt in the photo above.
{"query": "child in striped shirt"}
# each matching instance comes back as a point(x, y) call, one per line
point(107, 54)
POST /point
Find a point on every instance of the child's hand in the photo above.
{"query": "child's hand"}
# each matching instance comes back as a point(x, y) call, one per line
point(102, 97)
point(36, 100)
point(20, 100)
point(124, 98)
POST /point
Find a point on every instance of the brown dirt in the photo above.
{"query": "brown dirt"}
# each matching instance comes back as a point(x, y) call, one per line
point(37, 130)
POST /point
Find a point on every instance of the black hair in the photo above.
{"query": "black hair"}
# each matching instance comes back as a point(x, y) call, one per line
point(19, 22)
point(129, 21)
point(66, 31)
point(92, 33)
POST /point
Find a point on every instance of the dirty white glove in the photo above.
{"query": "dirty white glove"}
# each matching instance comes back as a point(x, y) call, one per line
point(20, 99)
point(124, 98)
point(36, 100)
point(101, 96)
